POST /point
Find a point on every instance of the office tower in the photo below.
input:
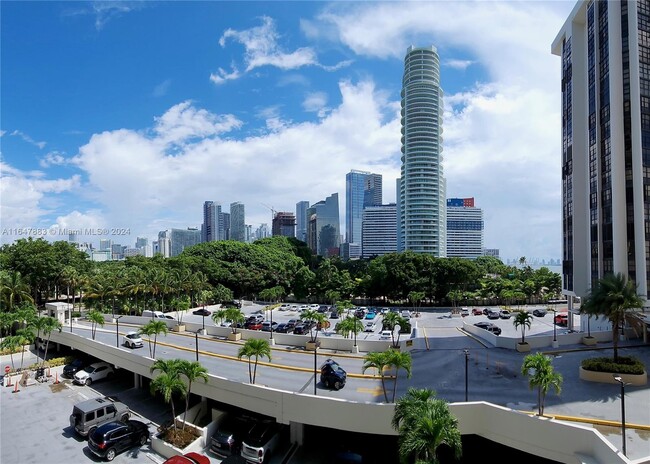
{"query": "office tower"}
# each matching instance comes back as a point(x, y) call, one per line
point(237, 222)
point(211, 227)
point(301, 220)
point(361, 189)
point(141, 242)
point(284, 224)
point(105, 244)
point(605, 83)
point(164, 243)
point(72, 237)
point(323, 226)
point(262, 232)
point(348, 251)
point(117, 251)
point(183, 238)
point(422, 185)
point(379, 230)
point(224, 226)
point(464, 229)
point(249, 233)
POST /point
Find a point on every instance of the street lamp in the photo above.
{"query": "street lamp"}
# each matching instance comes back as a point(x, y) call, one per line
point(203, 315)
point(196, 344)
point(271, 323)
point(620, 380)
point(315, 371)
point(117, 331)
point(466, 353)
point(554, 326)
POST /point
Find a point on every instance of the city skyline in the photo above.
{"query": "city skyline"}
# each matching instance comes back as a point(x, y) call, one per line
point(272, 108)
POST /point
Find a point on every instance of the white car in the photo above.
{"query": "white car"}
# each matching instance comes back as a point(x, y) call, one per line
point(226, 323)
point(133, 340)
point(370, 326)
point(94, 372)
point(314, 306)
point(406, 313)
point(385, 335)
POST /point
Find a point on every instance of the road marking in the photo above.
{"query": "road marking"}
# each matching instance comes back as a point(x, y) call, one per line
point(376, 391)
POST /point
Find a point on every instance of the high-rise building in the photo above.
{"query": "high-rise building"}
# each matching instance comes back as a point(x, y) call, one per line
point(301, 220)
point(422, 187)
point(605, 83)
point(361, 189)
point(261, 232)
point(183, 238)
point(323, 227)
point(105, 244)
point(164, 244)
point(237, 222)
point(464, 229)
point(141, 242)
point(379, 231)
point(212, 225)
point(224, 226)
point(284, 224)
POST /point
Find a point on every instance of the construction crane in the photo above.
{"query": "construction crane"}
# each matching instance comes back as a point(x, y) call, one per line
point(273, 211)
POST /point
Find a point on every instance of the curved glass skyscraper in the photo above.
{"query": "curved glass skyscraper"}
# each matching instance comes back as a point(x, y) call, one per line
point(422, 214)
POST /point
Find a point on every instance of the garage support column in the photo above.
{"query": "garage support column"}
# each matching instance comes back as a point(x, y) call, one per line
point(296, 433)
point(137, 380)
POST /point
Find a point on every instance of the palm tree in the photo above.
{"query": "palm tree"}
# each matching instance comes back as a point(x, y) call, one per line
point(14, 289)
point(539, 368)
point(95, 317)
point(258, 347)
point(377, 360)
point(398, 360)
point(318, 319)
point(50, 326)
point(390, 320)
point(218, 316)
point(416, 298)
point(424, 424)
point(236, 316)
point(11, 344)
point(350, 324)
point(615, 297)
point(192, 371)
point(153, 328)
point(168, 382)
point(524, 320)
point(25, 337)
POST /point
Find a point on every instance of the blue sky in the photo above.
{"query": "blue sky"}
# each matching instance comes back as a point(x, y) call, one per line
point(132, 114)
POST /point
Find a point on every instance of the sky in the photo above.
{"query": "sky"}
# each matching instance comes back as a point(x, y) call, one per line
point(124, 117)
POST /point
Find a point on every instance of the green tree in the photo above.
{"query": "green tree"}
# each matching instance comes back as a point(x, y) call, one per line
point(168, 382)
point(416, 299)
point(257, 347)
point(350, 324)
point(425, 423)
point(615, 297)
point(317, 319)
point(95, 318)
point(539, 370)
point(11, 344)
point(377, 360)
point(25, 337)
point(398, 360)
point(218, 316)
point(192, 371)
point(236, 316)
point(14, 289)
point(153, 328)
point(390, 321)
point(50, 325)
point(523, 320)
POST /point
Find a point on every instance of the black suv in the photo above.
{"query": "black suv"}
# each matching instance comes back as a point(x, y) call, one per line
point(332, 375)
point(76, 365)
point(110, 439)
point(227, 439)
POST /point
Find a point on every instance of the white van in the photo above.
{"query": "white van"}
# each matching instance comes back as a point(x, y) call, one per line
point(154, 314)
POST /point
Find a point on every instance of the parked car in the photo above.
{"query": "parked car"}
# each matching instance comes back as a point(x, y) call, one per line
point(227, 438)
point(110, 439)
point(282, 328)
point(493, 314)
point(370, 316)
point(486, 311)
point(201, 312)
point(188, 458)
point(370, 326)
point(133, 340)
point(504, 314)
point(301, 328)
point(89, 414)
point(561, 319)
point(334, 315)
point(539, 312)
point(93, 373)
point(406, 313)
point(266, 326)
point(323, 309)
point(285, 307)
point(477, 312)
point(464, 312)
point(332, 375)
point(496, 330)
point(291, 325)
point(254, 325)
point(70, 369)
point(261, 442)
point(386, 335)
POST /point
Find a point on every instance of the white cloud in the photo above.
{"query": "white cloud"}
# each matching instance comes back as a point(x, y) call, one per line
point(161, 89)
point(316, 102)
point(53, 158)
point(28, 139)
point(262, 49)
point(104, 11)
point(458, 64)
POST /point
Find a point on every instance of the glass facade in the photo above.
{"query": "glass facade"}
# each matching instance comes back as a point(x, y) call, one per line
point(422, 186)
point(361, 189)
point(323, 230)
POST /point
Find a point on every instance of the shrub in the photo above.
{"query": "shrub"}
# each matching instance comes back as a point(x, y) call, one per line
point(625, 365)
point(76, 314)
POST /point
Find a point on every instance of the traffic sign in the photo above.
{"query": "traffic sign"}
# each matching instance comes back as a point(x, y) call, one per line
point(7, 369)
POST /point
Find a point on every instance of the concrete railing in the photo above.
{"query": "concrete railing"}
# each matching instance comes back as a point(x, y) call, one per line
point(544, 437)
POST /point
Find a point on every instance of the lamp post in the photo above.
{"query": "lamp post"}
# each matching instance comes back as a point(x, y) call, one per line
point(620, 380)
point(315, 371)
point(203, 328)
point(271, 323)
point(196, 345)
point(554, 326)
point(117, 331)
point(466, 353)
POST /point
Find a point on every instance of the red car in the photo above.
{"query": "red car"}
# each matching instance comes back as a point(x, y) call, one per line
point(189, 458)
point(561, 319)
point(477, 312)
point(255, 325)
